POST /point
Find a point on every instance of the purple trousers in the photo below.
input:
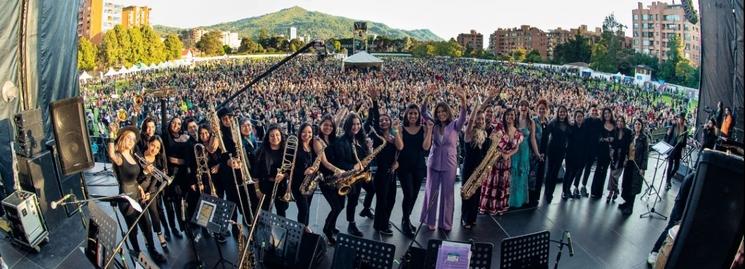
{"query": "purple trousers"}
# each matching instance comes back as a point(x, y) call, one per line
point(442, 184)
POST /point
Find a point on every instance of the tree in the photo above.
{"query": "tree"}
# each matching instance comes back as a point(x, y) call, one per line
point(249, 46)
point(125, 46)
point(611, 53)
point(337, 45)
point(173, 47)
point(211, 43)
point(296, 44)
point(575, 50)
point(110, 51)
point(155, 50)
point(533, 57)
point(86, 54)
point(677, 69)
point(227, 49)
point(424, 50)
point(137, 50)
point(519, 54)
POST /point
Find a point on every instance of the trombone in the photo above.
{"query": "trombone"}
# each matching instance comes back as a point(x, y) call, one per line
point(288, 165)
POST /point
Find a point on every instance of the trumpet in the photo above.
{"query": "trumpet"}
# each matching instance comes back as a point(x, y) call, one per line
point(156, 173)
point(138, 101)
point(288, 164)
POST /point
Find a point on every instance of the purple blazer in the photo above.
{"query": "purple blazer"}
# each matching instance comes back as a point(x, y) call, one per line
point(443, 156)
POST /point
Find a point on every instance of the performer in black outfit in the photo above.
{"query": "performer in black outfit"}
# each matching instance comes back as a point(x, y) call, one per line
point(249, 148)
point(709, 135)
point(576, 155)
point(268, 162)
point(177, 147)
point(147, 131)
point(347, 153)
point(619, 153)
point(591, 131)
point(327, 136)
point(607, 131)
point(303, 161)
point(127, 170)
point(676, 136)
point(154, 155)
point(633, 176)
point(384, 179)
point(556, 136)
point(412, 168)
point(538, 162)
point(230, 169)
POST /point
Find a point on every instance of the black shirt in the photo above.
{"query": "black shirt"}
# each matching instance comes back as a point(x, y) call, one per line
point(127, 175)
point(412, 155)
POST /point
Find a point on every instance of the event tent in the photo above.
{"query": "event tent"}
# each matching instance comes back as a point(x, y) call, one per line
point(362, 59)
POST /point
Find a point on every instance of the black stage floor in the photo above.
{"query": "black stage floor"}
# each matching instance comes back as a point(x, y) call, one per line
point(603, 238)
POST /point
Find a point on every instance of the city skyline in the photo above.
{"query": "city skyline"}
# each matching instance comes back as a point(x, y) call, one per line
point(485, 18)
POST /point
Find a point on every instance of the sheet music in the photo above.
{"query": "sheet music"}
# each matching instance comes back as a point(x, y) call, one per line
point(662, 147)
point(132, 202)
point(453, 255)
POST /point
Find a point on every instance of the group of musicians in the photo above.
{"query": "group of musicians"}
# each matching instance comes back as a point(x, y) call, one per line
point(531, 149)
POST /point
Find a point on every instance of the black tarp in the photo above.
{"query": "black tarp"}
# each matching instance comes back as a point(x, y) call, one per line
point(721, 56)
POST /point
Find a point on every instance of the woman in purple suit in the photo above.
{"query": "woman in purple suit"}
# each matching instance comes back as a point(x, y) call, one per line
point(442, 162)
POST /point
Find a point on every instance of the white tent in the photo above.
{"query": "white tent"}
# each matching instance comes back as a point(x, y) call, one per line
point(84, 76)
point(123, 70)
point(362, 59)
point(111, 72)
point(133, 69)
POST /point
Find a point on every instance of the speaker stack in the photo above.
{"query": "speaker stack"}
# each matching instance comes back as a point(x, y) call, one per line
point(29, 133)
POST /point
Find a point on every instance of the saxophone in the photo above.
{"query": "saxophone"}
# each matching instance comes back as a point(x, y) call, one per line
point(483, 170)
point(310, 182)
point(344, 181)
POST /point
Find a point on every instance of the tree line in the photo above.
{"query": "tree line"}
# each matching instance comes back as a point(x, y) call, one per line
point(125, 47)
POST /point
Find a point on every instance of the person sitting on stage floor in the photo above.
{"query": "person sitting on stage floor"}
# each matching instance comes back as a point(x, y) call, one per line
point(127, 169)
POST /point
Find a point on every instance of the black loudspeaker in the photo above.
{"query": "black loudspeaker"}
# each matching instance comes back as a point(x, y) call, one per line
point(29, 133)
point(37, 175)
point(71, 134)
point(312, 251)
point(712, 224)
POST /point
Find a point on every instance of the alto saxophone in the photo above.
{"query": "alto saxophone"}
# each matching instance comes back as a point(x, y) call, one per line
point(483, 170)
point(344, 181)
point(310, 182)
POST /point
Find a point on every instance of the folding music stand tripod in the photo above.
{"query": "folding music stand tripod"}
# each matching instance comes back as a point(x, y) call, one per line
point(663, 149)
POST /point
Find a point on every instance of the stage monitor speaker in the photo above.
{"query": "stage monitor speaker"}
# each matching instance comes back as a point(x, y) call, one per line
point(712, 224)
point(71, 134)
point(37, 175)
point(312, 251)
point(29, 132)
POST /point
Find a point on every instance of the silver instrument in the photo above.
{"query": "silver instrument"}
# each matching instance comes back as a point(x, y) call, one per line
point(203, 168)
point(156, 173)
point(288, 164)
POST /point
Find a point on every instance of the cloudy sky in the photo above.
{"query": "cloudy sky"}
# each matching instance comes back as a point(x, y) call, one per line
point(445, 18)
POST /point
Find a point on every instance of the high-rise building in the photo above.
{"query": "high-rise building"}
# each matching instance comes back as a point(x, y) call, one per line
point(231, 39)
point(472, 40)
point(291, 33)
point(655, 25)
point(505, 41)
point(98, 16)
point(134, 16)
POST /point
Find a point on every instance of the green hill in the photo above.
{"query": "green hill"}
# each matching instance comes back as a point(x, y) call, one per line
point(308, 23)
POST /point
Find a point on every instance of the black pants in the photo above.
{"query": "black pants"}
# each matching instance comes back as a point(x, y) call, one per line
point(279, 205)
point(411, 183)
point(385, 187)
point(573, 175)
point(172, 201)
point(535, 193)
point(677, 213)
point(554, 165)
point(588, 168)
point(301, 201)
point(369, 188)
point(601, 172)
point(336, 202)
point(469, 208)
point(627, 193)
point(353, 198)
point(130, 216)
point(673, 163)
point(237, 195)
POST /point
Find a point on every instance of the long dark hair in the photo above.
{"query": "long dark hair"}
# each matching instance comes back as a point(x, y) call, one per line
point(143, 126)
point(612, 119)
point(406, 112)
point(504, 118)
point(347, 127)
point(332, 136)
point(265, 141)
point(300, 132)
point(447, 109)
point(566, 118)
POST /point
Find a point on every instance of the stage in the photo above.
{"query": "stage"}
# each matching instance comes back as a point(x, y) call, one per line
point(602, 236)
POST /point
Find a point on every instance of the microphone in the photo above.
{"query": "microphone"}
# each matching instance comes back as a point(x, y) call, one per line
point(569, 244)
point(54, 204)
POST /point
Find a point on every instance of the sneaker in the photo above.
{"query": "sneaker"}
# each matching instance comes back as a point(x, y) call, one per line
point(583, 191)
point(652, 258)
point(352, 229)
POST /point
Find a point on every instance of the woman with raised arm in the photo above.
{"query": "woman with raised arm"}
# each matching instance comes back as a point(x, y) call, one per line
point(495, 190)
point(327, 136)
point(127, 170)
point(477, 145)
point(442, 163)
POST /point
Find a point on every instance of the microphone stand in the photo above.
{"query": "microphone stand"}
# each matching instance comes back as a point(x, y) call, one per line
point(561, 247)
point(119, 245)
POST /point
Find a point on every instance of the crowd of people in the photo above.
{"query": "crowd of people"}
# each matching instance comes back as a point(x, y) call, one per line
point(421, 121)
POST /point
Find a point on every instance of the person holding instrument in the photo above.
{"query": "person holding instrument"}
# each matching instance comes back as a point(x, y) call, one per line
point(176, 144)
point(127, 170)
point(230, 169)
point(154, 155)
point(147, 131)
point(676, 136)
point(266, 169)
point(636, 164)
point(327, 136)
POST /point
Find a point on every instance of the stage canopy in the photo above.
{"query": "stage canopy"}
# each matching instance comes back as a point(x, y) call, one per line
point(38, 56)
point(362, 60)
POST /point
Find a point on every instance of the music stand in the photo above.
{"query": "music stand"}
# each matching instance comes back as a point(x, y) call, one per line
point(213, 213)
point(102, 237)
point(663, 149)
point(371, 254)
point(278, 238)
point(481, 254)
point(526, 251)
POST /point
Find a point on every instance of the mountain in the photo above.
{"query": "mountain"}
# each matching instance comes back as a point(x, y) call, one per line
point(310, 23)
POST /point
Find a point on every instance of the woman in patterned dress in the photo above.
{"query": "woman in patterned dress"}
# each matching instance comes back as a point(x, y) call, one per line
point(495, 191)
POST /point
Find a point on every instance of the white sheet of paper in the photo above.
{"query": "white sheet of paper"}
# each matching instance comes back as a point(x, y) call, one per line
point(132, 202)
